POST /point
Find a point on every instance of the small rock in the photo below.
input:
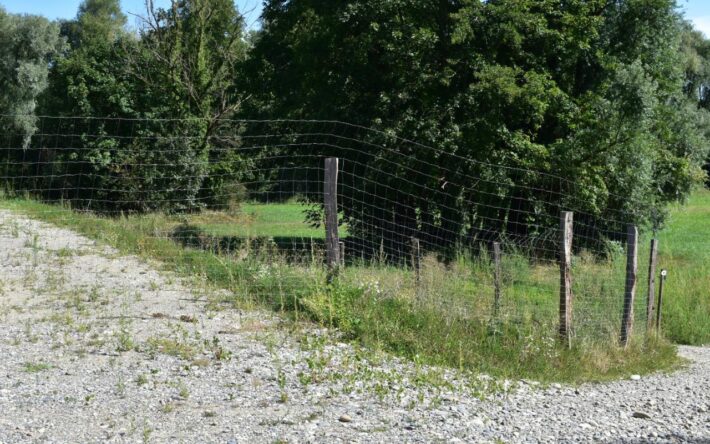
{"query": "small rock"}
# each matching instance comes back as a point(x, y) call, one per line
point(635, 377)
point(345, 418)
point(641, 415)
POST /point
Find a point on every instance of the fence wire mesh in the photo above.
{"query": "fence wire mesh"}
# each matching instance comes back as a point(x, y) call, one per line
point(242, 202)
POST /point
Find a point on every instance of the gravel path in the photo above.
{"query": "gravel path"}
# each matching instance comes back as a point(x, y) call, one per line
point(98, 347)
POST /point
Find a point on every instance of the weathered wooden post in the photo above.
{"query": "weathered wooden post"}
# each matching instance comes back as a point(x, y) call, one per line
point(566, 220)
point(496, 278)
point(416, 262)
point(330, 201)
point(652, 262)
point(627, 320)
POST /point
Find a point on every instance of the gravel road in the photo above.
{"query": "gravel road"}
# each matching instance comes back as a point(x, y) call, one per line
point(99, 347)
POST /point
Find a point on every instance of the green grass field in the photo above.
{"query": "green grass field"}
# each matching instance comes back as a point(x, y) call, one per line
point(446, 319)
point(260, 220)
point(684, 250)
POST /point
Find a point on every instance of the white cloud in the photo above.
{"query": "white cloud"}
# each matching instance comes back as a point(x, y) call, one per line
point(702, 24)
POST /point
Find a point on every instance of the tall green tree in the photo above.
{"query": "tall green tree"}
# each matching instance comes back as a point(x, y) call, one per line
point(168, 91)
point(191, 51)
point(587, 90)
point(87, 81)
point(27, 46)
point(186, 68)
point(90, 79)
point(696, 54)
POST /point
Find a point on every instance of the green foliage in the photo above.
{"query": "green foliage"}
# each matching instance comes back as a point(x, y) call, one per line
point(181, 66)
point(590, 91)
point(188, 61)
point(696, 56)
point(612, 97)
point(89, 80)
point(27, 46)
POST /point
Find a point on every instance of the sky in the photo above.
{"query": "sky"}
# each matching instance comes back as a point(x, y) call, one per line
point(66, 9)
point(697, 11)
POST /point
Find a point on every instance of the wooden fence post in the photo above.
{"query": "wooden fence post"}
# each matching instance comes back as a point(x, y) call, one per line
point(627, 321)
point(416, 261)
point(652, 262)
point(330, 201)
point(566, 220)
point(496, 278)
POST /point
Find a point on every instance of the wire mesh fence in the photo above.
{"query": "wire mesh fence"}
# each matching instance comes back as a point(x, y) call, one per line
point(247, 203)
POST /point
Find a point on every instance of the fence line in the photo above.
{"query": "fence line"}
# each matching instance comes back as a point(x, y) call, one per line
point(292, 196)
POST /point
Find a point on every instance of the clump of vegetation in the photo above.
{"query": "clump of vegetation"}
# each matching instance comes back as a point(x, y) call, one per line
point(172, 347)
point(36, 367)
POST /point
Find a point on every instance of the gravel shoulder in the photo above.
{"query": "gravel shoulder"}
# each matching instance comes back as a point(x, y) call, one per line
point(100, 347)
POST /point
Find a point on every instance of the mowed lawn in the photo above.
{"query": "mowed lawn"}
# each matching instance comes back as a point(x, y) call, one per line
point(261, 220)
point(685, 251)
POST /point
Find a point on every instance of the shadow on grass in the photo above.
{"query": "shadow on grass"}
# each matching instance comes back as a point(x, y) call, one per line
point(293, 249)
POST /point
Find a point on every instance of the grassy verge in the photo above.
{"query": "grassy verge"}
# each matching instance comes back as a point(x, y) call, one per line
point(445, 320)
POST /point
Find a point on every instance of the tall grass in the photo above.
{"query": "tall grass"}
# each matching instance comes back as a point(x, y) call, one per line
point(446, 319)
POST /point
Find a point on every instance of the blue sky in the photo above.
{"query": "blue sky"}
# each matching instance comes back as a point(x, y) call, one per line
point(67, 8)
point(698, 11)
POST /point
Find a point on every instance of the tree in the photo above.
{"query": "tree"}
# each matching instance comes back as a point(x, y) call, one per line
point(90, 79)
point(169, 92)
point(190, 55)
point(27, 45)
point(530, 99)
point(696, 55)
point(87, 81)
point(186, 67)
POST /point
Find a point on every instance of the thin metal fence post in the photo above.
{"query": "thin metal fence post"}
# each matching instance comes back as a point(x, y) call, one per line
point(659, 305)
point(652, 262)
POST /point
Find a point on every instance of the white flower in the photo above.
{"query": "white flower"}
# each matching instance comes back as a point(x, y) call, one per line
point(371, 287)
